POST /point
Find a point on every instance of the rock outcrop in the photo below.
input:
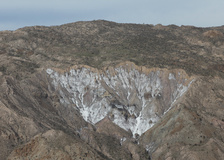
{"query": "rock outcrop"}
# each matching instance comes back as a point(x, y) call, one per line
point(133, 97)
point(193, 128)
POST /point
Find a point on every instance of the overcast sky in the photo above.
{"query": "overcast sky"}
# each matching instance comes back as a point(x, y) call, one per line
point(19, 13)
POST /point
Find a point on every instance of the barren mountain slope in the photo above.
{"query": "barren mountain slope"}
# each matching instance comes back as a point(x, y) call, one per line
point(102, 90)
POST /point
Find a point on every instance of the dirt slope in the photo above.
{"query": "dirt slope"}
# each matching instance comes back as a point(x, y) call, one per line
point(35, 124)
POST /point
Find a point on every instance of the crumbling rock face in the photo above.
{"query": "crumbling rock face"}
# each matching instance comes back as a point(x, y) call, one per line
point(133, 97)
point(31, 108)
point(193, 128)
point(48, 112)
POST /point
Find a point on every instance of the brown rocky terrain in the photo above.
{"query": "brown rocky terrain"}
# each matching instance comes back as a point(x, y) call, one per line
point(103, 90)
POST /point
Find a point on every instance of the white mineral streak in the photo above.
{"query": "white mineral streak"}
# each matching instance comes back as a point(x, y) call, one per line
point(122, 94)
point(122, 140)
point(149, 147)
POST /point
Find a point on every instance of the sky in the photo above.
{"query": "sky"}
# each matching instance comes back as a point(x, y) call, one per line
point(16, 14)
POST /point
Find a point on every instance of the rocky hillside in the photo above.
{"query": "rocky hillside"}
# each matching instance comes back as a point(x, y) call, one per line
point(133, 97)
point(103, 90)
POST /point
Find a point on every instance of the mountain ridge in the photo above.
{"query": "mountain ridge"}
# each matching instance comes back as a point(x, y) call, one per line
point(35, 115)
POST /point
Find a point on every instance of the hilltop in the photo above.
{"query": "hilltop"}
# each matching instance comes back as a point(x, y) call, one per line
point(106, 90)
